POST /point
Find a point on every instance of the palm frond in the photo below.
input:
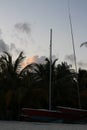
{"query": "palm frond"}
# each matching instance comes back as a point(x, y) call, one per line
point(8, 58)
point(53, 64)
point(26, 69)
point(19, 60)
point(84, 44)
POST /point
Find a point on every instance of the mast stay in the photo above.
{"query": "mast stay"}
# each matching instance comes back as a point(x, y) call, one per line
point(71, 28)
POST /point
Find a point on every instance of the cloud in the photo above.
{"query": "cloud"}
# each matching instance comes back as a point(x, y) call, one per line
point(23, 27)
point(82, 64)
point(12, 47)
point(37, 59)
point(34, 59)
point(0, 32)
point(8, 48)
point(3, 46)
point(70, 58)
point(22, 34)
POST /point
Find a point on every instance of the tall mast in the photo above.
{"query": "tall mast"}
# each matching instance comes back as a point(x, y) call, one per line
point(79, 103)
point(50, 76)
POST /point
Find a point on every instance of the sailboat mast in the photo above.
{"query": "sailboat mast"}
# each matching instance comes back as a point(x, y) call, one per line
point(50, 76)
point(79, 103)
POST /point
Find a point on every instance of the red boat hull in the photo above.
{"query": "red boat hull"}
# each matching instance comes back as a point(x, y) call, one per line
point(50, 116)
point(72, 110)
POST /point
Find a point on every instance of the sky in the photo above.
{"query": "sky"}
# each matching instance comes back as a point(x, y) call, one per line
point(25, 26)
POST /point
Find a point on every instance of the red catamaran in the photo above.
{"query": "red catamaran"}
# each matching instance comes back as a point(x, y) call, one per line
point(63, 114)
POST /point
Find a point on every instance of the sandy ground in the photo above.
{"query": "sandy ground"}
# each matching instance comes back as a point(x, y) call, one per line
point(13, 125)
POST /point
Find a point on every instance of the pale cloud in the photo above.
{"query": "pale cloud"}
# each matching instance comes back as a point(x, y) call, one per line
point(0, 32)
point(22, 34)
point(37, 59)
point(82, 64)
point(34, 59)
point(23, 27)
point(70, 58)
point(8, 48)
point(3, 46)
point(13, 48)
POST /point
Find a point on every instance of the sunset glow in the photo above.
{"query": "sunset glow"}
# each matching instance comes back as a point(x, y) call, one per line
point(29, 61)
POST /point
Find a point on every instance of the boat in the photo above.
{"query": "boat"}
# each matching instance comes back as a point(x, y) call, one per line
point(42, 115)
point(72, 110)
point(63, 114)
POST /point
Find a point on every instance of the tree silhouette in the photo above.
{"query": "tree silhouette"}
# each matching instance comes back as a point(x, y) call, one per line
point(9, 76)
point(65, 85)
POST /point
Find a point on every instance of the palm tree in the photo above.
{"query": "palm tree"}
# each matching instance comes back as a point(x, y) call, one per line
point(82, 81)
point(10, 77)
point(41, 73)
point(65, 85)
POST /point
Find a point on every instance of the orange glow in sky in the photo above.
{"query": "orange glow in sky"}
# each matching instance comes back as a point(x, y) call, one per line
point(28, 61)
